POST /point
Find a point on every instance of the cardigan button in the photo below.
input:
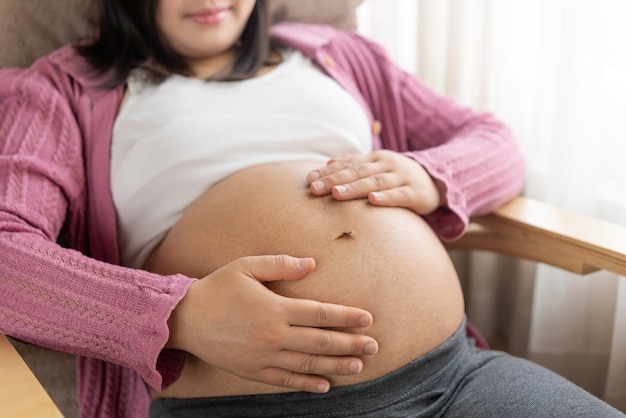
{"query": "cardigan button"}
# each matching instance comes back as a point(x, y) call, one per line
point(329, 61)
point(377, 127)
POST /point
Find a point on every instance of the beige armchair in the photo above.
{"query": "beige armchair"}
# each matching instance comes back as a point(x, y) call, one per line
point(521, 228)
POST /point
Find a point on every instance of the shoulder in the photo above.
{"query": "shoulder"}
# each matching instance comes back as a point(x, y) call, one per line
point(60, 87)
point(61, 83)
point(68, 64)
point(317, 33)
point(63, 71)
point(347, 54)
point(310, 37)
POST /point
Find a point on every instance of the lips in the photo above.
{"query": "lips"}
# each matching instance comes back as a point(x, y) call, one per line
point(212, 16)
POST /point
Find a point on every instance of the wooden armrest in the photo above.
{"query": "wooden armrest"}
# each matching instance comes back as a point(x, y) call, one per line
point(537, 231)
point(21, 395)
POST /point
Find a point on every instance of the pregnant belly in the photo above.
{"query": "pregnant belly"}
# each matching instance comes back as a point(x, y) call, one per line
point(384, 260)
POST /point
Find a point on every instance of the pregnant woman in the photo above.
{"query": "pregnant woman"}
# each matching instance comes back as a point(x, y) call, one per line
point(182, 150)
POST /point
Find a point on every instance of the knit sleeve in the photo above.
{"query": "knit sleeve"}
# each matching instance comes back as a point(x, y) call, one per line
point(474, 154)
point(57, 297)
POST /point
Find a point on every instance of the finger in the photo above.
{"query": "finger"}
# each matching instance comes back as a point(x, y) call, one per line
point(341, 171)
point(276, 267)
point(398, 196)
point(297, 381)
point(363, 187)
point(340, 163)
point(319, 365)
point(405, 197)
point(309, 313)
point(347, 175)
point(329, 343)
point(336, 164)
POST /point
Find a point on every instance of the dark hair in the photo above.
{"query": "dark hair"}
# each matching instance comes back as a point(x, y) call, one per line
point(129, 38)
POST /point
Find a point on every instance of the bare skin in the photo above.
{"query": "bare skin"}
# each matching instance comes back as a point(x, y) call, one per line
point(382, 259)
point(267, 336)
point(384, 177)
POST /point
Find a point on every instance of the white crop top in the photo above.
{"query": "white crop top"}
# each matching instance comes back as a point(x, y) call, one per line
point(174, 140)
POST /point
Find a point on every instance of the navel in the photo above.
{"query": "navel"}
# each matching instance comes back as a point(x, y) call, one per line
point(346, 234)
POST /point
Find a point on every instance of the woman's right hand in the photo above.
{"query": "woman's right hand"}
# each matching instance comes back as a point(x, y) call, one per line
point(230, 320)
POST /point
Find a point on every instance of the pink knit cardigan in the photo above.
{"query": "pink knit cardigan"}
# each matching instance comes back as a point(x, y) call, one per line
point(55, 134)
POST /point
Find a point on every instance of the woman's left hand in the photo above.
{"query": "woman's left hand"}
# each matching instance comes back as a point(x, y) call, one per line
point(385, 178)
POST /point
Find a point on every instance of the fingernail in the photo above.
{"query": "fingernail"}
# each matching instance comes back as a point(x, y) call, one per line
point(376, 127)
point(314, 175)
point(305, 263)
point(371, 348)
point(340, 189)
point(322, 388)
point(318, 185)
point(355, 367)
point(377, 196)
point(364, 321)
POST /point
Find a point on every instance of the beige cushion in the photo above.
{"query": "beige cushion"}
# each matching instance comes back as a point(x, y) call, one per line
point(30, 29)
point(339, 13)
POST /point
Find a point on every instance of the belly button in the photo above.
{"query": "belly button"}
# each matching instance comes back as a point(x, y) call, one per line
point(347, 234)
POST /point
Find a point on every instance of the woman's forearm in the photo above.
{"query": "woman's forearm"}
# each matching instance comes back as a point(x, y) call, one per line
point(481, 167)
point(52, 296)
point(60, 299)
point(473, 154)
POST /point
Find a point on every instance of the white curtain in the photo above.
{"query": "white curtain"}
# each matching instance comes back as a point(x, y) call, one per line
point(555, 71)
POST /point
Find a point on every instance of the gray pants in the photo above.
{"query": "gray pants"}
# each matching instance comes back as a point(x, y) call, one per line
point(454, 380)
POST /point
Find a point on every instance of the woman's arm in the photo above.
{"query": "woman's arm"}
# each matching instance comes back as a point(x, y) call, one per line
point(56, 297)
point(61, 299)
point(472, 155)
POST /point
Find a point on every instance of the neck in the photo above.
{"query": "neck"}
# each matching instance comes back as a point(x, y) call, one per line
point(204, 68)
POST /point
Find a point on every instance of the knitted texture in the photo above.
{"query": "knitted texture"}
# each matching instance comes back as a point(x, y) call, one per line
point(55, 133)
